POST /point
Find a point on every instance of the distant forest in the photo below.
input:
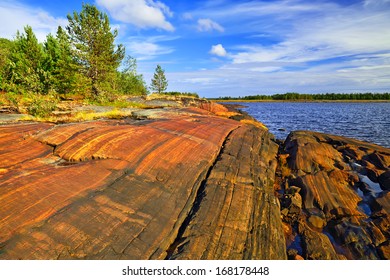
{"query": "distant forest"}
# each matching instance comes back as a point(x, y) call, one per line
point(292, 96)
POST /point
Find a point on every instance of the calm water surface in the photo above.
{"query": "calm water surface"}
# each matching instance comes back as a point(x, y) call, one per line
point(364, 121)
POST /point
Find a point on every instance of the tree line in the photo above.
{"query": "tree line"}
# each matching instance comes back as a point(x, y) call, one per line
point(79, 60)
point(292, 96)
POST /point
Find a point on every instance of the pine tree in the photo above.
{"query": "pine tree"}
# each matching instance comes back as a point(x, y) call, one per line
point(50, 62)
point(67, 78)
point(159, 82)
point(93, 46)
point(26, 62)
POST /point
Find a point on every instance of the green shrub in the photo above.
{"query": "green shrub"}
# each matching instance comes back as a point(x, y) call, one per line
point(177, 93)
point(40, 107)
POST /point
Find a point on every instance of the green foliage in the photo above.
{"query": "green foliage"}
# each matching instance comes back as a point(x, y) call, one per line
point(93, 47)
point(9, 98)
point(80, 61)
point(65, 70)
point(41, 107)
point(26, 63)
point(5, 50)
point(159, 82)
point(50, 61)
point(177, 93)
point(129, 82)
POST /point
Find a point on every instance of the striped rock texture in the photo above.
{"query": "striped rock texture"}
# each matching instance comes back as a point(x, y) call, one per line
point(184, 184)
point(345, 204)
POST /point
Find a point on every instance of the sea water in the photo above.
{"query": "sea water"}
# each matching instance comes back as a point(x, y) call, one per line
point(364, 121)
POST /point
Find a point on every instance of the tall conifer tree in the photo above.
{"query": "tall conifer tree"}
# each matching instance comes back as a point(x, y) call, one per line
point(93, 46)
point(26, 67)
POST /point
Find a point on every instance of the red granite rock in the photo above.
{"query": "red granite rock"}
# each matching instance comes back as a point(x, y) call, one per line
point(123, 189)
point(338, 180)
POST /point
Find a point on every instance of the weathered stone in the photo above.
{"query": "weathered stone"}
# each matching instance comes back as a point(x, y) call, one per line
point(316, 221)
point(183, 183)
point(383, 200)
point(296, 200)
point(384, 180)
point(379, 160)
point(326, 169)
point(373, 174)
point(288, 233)
point(376, 235)
point(230, 223)
point(384, 250)
point(317, 246)
point(292, 253)
point(383, 223)
point(126, 189)
point(356, 239)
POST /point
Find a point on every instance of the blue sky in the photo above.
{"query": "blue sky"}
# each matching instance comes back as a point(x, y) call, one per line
point(237, 48)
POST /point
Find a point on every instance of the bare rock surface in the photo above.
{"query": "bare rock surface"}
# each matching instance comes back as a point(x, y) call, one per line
point(238, 215)
point(128, 189)
point(345, 199)
point(192, 181)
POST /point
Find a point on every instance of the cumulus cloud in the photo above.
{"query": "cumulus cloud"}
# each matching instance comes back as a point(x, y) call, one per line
point(15, 16)
point(205, 24)
point(141, 13)
point(218, 50)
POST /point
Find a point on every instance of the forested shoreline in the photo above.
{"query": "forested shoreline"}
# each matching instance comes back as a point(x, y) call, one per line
point(311, 97)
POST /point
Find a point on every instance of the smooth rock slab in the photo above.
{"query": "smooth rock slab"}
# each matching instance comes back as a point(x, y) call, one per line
point(238, 215)
point(124, 189)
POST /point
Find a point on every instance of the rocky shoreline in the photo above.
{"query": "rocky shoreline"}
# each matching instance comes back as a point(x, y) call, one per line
point(189, 180)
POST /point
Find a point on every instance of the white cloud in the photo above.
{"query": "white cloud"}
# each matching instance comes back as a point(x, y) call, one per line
point(15, 16)
point(241, 80)
point(148, 48)
point(218, 50)
point(141, 13)
point(295, 45)
point(205, 24)
point(320, 35)
point(202, 80)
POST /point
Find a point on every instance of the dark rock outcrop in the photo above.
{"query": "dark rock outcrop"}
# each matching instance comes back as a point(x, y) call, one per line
point(345, 200)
